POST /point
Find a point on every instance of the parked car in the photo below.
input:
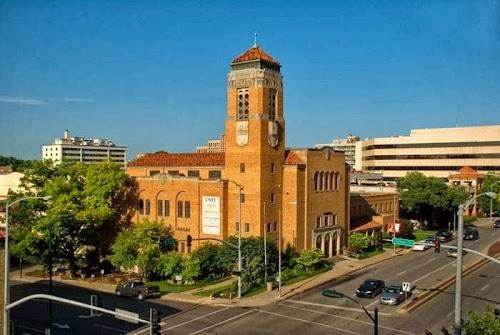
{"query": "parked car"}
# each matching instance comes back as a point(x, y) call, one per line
point(444, 235)
point(393, 295)
point(136, 288)
point(454, 253)
point(496, 223)
point(421, 247)
point(370, 288)
point(471, 233)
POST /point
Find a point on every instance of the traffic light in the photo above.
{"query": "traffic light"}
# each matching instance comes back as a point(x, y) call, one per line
point(155, 318)
point(189, 240)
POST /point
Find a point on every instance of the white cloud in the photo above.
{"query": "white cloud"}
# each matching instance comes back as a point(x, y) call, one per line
point(74, 99)
point(21, 101)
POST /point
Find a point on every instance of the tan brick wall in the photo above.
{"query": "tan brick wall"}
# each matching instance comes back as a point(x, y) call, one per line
point(185, 189)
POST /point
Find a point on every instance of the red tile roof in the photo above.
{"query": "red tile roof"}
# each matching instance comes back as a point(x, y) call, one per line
point(255, 53)
point(466, 173)
point(291, 158)
point(180, 159)
point(368, 226)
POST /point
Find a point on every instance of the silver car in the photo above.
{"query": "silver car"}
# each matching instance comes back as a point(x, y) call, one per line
point(393, 295)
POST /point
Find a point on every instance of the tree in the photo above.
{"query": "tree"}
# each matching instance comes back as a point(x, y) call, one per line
point(490, 183)
point(310, 258)
point(482, 324)
point(210, 264)
point(252, 251)
point(18, 165)
point(138, 247)
point(168, 265)
point(429, 197)
point(190, 268)
point(89, 205)
point(359, 241)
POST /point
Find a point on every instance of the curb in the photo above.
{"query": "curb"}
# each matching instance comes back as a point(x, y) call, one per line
point(292, 293)
point(434, 291)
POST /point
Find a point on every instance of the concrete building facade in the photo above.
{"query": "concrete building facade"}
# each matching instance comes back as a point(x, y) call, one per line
point(435, 152)
point(90, 150)
point(346, 145)
point(213, 145)
point(301, 194)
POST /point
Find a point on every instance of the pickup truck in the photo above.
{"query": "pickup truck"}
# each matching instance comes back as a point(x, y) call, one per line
point(136, 288)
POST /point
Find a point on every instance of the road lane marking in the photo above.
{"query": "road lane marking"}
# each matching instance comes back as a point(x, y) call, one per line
point(350, 319)
point(449, 314)
point(430, 260)
point(110, 328)
point(485, 287)
point(427, 275)
point(401, 273)
point(371, 303)
point(311, 322)
point(195, 319)
point(332, 306)
point(222, 322)
point(32, 329)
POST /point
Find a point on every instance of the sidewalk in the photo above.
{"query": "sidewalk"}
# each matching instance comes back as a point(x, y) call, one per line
point(340, 269)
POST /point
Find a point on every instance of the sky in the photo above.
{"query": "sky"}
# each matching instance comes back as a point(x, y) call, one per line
point(151, 75)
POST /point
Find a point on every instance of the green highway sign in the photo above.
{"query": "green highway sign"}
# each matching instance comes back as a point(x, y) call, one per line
point(403, 241)
point(169, 241)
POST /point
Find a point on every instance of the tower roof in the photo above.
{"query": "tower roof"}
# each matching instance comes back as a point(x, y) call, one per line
point(255, 53)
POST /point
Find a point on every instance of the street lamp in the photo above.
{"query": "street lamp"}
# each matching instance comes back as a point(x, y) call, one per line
point(6, 292)
point(240, 188)
point(374, 318)
point(458, 279)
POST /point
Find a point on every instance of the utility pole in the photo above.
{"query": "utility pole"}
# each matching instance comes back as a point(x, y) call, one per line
point(265, 245)
point(279, 252)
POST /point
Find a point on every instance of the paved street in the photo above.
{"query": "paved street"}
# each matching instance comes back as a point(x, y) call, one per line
point(311, 313)
point(307, 313)
point(32, 317)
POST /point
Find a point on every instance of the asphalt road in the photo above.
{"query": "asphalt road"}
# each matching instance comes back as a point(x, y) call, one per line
point(32, 317)
point(306, 313)
point(311, 313)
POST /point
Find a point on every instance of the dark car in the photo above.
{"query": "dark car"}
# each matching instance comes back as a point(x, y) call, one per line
point(471, 233)
point(444, 235)
point(370, 288)
point(136, 288)
point(496, 224)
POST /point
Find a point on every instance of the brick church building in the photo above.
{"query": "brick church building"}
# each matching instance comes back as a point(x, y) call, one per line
point(200, 194)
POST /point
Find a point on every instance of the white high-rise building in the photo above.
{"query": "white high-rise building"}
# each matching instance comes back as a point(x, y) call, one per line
point(437, 152)
point(90, 150)
point(346, 145)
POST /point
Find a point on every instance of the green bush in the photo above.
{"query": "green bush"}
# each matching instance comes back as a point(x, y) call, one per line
point(310, 259)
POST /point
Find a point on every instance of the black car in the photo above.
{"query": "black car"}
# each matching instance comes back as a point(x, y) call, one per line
point(444, 235)
point(370, 288)
point(471, 234)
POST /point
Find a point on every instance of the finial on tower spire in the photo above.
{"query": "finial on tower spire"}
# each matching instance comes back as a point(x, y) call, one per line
point(255, 45)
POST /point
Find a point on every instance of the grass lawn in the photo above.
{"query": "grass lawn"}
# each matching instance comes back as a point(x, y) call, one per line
point(371, 253)
point(166, 287)
point(423, 234)
point(262, 287)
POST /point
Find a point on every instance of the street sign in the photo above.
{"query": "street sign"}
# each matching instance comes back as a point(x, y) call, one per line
point(406, 287)
point(403, 241)
point(169, 241)
point(126, 315)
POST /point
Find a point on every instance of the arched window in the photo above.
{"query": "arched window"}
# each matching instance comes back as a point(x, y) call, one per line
point(325, 181)
point(243, 104)
point(337, 180)
point(141, 206)
point(332, 180)
point(316, 180)
point(321, 178)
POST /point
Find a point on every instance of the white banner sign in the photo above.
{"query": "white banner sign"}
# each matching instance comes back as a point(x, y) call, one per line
point(210, 215)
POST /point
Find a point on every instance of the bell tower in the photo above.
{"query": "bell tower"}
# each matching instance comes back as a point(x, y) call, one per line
point(255, 148)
